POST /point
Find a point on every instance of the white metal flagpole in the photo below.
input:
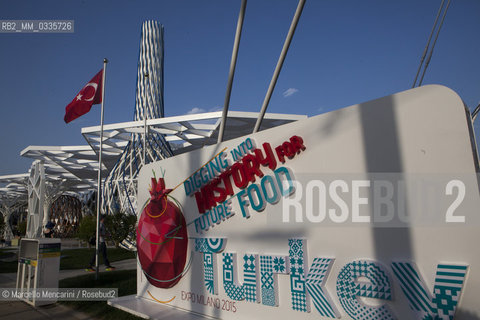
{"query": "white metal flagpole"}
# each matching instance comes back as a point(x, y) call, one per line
point(99, 189)
point(145, 118)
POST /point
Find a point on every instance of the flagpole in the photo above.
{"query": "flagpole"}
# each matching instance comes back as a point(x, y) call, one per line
point(145, 118)
point(99, 194)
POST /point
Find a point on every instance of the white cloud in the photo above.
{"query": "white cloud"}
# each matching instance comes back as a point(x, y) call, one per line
point(218, 108)
point(196, 110)
point(289, 92)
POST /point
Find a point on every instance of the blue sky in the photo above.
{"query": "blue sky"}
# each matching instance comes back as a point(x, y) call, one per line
point(344, 52)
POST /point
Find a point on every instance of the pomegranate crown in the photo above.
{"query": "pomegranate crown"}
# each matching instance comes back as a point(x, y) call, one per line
point(158, 190)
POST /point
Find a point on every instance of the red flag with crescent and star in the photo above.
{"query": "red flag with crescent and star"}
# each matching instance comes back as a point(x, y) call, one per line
point(90, 94)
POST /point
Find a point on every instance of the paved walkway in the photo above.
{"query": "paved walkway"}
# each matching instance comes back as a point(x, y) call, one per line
point(16, 310)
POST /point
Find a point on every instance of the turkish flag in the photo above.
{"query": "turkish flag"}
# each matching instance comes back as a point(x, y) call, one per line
point(89, 95)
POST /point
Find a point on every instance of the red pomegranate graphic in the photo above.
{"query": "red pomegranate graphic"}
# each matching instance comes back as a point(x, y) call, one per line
point(162, 238)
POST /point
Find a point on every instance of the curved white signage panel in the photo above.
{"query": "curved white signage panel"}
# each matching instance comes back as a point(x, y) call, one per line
point(367, 212)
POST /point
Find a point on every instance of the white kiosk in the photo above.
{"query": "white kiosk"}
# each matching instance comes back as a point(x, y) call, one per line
point(38, 267)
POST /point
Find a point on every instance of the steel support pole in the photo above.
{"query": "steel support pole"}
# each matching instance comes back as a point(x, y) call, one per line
point(231, 73)
point(283, 54)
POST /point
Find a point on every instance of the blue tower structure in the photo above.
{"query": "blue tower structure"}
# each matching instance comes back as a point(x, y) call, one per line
point(120, 186)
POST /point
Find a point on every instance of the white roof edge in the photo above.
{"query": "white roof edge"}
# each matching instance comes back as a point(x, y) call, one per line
point(193, 117)
point(14, 176)
point(56, 148)
point(80, 148)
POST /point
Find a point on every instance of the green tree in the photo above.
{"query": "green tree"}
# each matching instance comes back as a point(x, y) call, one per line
point(87, 228)
point(119, 226)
